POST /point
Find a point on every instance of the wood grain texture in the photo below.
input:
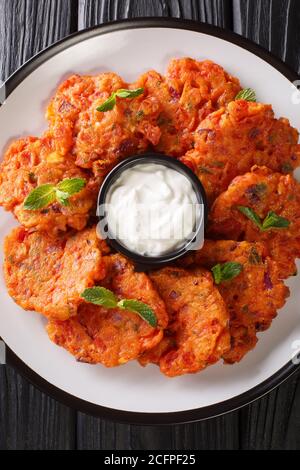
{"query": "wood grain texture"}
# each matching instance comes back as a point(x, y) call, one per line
point(28, 26)
point(94, 434)
point(274, 421)
point(31, 420)
point(216, 434)
point(274, 24)
point(94, 12)
point(28, 418)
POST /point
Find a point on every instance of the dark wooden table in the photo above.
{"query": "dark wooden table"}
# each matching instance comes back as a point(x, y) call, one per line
point(30, 419)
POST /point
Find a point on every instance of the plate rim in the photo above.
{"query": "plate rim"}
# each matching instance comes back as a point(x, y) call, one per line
point(148, 418)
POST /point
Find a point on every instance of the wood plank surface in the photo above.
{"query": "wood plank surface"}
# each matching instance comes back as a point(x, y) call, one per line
point(93, 12)
point(274, 421)
point(274, 24)
point(31, 420)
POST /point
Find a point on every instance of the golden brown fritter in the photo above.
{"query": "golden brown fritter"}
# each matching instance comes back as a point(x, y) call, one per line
point(190, 113)
point(262, 191)
point(32, 162)
point(100, 139)
point(187, 94)
point(198, 330)
point(205, 85)
point(71, 98)
point(113, 336)
point(197, 89)
point(230, 141)
point(104, 138)
point(252, 298)
point(74, 96)
point(49, 274)
point(165, 116)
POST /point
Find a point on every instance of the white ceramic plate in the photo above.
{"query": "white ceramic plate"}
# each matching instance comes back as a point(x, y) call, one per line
point(131, 393)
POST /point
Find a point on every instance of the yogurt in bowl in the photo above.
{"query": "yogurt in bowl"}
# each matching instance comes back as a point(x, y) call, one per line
point(153, 209)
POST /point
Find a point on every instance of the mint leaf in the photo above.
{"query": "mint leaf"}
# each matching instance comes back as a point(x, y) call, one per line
point(226, 271)
point(248, 212)
point(108, 105)
point(106, 298)
point(71, 186)
point(274, 221)
point(111, 102)
point(143, 310)
point(247, 94)
point(123, 93)
point(62, 198)
point(100, 296)
point(40, 197)
point(217, 272)
point(46, 194)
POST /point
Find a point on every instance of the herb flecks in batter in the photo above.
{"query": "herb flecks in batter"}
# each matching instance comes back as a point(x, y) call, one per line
point(111, 102)
point(47, 194)
point(272, 220)
point(254, 256)
point(247, 94)
point(287, 168)
point(226, 271)
point(107, 299)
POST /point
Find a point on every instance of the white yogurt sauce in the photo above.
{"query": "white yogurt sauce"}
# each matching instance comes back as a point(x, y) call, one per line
point(151, 209)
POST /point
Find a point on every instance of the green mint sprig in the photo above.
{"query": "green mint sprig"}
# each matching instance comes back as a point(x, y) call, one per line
point(272, 220)
point(247, 94)
point(106, 298)
point(47, 194)
point(226, 271)
point(111, 102)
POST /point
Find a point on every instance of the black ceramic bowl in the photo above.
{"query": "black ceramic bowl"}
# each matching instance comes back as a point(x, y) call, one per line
point(142, 261)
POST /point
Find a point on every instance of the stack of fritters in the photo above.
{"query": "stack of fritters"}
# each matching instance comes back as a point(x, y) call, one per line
point(242, 154)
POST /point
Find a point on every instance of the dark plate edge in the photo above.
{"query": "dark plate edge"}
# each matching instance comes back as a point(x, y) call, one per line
point(126, 416)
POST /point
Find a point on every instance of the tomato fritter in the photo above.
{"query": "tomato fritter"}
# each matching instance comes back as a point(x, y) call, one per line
point(32, 162)
point(262, 191)
point(230, 141)
point(48, 274)
point(198, 330)
point(202, 82)
point(154, 355)
point(189, 92)
point(252, 298)
point(76, 95)
point(112, 336)
point(164, 116)
point(100, 139)
point(71, 97)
